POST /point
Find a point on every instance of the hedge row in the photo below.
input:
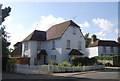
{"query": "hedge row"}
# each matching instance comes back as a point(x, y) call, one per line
point(107, 57)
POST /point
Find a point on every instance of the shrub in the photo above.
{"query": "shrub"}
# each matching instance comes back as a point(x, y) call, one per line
point(98, 63)
point(12, 61)
point(104, 57)
point(79, 64)
point(51, 63)
point(108, 64)
point(65, 64)
point(85, 61)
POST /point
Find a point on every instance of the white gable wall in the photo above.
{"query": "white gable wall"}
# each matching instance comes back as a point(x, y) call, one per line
point(26, 52)
point(68, 35)
point(48, 47)
point(92, 51)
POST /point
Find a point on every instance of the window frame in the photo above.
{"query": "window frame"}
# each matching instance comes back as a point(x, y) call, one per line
point(112, 49)
point(79, 45)
point(68, 44)
point(26, 46)
point(53, 45)
point(104, 49)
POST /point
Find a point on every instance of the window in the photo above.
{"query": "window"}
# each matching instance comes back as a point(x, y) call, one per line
point(53, 57)
point(39, 46)
point(68, 44)
point(112, 49)
point(53, 45)
point(104, 49)
point(74, 30)
point(26, 46)
point(79, 45)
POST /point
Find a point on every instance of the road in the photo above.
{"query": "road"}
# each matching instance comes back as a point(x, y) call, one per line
point(108, 73)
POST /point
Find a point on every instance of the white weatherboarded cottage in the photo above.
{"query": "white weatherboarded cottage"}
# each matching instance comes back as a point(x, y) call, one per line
point(58, 44)
point(102, 47)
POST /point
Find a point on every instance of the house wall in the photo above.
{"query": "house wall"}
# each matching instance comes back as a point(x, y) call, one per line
point(60, 46)
point(92, 51)
point(47, 45)
point(26, 52)
point(108, 50)
point(68, 35)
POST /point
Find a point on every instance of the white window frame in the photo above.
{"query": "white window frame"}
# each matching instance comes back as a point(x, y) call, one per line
point(26, 46)
point(79, 45)
point(74, 30)
point(112, 49)
point(68, 44)
point(39, 45)
point(53, 45)
point(104, 49)
point(53, 58)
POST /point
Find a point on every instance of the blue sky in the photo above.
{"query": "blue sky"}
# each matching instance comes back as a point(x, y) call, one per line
point(100, 18)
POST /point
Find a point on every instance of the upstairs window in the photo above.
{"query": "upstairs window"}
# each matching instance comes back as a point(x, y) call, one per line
point(104, 49)
point(53, 45)
point(26, 46)
point(39, 46)
point(112, 49)
point(74, 31)
point(79, 45)
point(68, 44)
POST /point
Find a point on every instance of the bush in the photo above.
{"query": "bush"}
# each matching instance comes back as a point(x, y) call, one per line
point(79, 64)
point(85, 61)
point(104, 57)
point(98, 63)
point(65, 64)
point(108, 64)
point(12, 61)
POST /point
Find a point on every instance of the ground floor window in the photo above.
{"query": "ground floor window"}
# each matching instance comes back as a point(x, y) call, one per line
point(53, 58)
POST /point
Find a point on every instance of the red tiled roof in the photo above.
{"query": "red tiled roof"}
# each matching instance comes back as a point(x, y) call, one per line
point(104, 43)
point(58, 30)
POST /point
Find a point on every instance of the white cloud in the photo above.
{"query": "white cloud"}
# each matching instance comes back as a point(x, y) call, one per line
point(19, 32)
point(100, 34)
point(105, 25)
point(85, 24)
point(117, 30)
point(8, 19)
point(46, 22)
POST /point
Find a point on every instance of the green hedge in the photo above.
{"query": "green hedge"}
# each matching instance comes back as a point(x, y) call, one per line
point(107, 57)
point(83, 61)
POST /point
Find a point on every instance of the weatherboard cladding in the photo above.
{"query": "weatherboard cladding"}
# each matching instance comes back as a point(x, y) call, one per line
point(56, 31)
point(104, 43)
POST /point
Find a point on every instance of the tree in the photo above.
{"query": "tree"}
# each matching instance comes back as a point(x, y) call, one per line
point(4, 14)
point(87, 39)
point(4, 36)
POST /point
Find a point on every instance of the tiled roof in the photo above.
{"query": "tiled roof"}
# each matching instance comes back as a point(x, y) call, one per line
point(58, 30)
point(17, 51)
point(36, 35)
point(104, 43)
point(75, 52)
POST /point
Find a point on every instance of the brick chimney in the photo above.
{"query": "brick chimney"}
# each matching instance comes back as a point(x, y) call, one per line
point(118, 40)
point(94, 38)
